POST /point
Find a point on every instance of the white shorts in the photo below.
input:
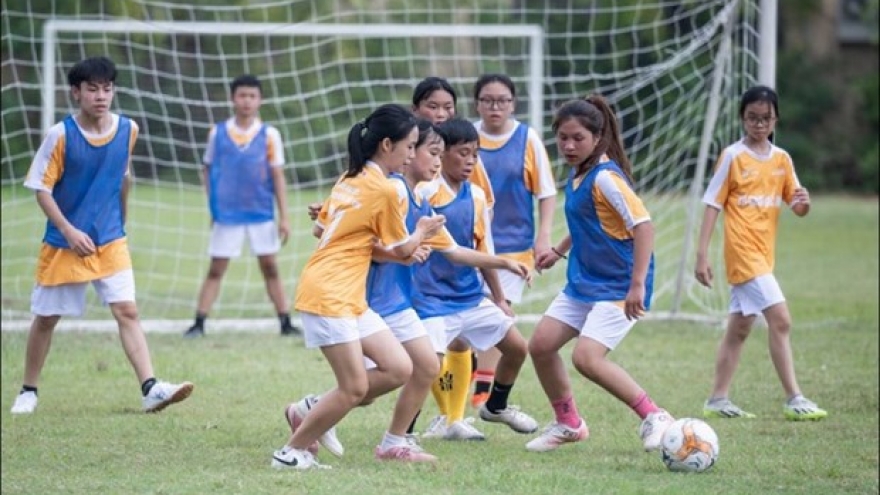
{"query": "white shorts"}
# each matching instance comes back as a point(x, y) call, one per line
point(70, 299)
point(753, 297)
point(226, 240)
point(482, 327)
point(512, 284)
point(322, 331)
point(603, 321)
point(405, 325)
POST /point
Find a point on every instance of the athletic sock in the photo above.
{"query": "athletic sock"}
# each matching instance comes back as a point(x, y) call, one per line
point(440, 389)
point(200, 320)
point(284, 319)
point(566, 411)
point(390, 440)
point(27, 388)
point(459, 385)
point(147, 385)
point(498, 397)
point(483, 381)
point(643, 405)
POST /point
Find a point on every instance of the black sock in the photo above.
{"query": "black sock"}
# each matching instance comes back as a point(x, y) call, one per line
point(28, 388)
point(481, 387)
point(147, 385)
point(498, 397)
point(412, 426)
point(200, 320)
point(284, 319)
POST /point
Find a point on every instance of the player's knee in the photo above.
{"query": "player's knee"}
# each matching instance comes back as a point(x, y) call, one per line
point(425, 370)
point(400, 371)
point(585, 364)
point(124, 312)
point(540, 349)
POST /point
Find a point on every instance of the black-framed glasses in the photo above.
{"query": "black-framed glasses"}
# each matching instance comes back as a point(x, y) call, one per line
point(755, 120)
point(500, 103)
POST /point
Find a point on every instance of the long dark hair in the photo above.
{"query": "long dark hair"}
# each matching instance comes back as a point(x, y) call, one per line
point(389, 121)
point(597, 116)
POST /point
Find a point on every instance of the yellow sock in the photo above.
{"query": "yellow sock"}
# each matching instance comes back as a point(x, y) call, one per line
point(460, 371)
point(440, 387)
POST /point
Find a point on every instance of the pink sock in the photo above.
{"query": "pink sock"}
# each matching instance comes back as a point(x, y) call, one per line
point(643, 405)
point(566, 412)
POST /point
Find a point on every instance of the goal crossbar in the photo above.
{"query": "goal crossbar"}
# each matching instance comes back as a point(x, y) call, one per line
point(532, 32)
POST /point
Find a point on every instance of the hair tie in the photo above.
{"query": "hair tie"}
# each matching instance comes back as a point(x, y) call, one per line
point(363, 128)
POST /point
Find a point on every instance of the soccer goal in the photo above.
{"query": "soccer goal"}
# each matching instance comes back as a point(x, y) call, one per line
point(672, 69)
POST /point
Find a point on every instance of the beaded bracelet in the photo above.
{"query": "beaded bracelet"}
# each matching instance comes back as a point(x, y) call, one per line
point(559, 254)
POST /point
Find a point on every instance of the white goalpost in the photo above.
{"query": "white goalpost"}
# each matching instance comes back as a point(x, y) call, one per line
point(673, 70)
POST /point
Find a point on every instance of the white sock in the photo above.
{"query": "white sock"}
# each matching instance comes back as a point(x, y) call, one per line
point(390, 440)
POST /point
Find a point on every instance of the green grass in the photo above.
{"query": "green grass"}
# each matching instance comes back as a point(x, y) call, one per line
point(88, 436)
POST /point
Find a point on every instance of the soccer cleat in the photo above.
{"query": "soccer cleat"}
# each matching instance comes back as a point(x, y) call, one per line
point(723, 408)
point(652, 428)
point(328, 439)
point(557, 434)
point(517, 420)
point(289, 329)
point(25, 403)
point(478, 399)
point(462, 430)
point(163, 394)
point(405, 453)
point(295, 459)
point(436, 428)
point(194, 332)
point(294, 420)
point(802, 409)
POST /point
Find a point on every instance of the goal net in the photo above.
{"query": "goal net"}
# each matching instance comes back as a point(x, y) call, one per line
point(673, 70)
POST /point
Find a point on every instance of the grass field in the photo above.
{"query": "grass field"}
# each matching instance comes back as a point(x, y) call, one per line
point(88, 435)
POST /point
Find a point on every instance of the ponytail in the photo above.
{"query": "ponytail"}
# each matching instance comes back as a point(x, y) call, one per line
point(611, 137)
point(356, 158)
point(389, 121)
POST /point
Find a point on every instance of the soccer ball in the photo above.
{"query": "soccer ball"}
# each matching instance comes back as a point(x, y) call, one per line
point(689, 445)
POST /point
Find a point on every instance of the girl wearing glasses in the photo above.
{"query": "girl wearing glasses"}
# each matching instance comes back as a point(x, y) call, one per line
point(752, 179)
point(519, 172)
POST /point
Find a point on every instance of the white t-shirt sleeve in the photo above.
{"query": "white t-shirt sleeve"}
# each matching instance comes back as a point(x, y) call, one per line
point(546, 184)
point(44, 161)
point(209, 150)
point(277, 147)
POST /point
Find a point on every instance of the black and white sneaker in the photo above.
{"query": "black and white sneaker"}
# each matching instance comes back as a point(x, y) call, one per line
point(288, 458)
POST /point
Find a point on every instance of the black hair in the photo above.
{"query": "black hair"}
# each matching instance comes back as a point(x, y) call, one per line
point(457, 131)
point(428, 132)
point(759, 93)
point(93, 70)
point(428, 86)
point(247, 81)
point(595, 114)
point(389, 121)
point(490, 78)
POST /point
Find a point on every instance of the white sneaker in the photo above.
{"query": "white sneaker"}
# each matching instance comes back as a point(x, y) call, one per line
point(328, 439)
point(25, 403)
point(436, 428)
point(462, 430)
point(296, 459)
point(163, 394)
point(517, 420)
point(652, 428)
point(557, 434)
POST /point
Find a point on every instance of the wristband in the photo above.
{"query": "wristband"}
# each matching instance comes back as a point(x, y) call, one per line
point(559, 254)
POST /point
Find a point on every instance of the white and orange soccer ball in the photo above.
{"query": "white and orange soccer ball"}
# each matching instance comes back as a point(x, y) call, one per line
point(689, 445)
